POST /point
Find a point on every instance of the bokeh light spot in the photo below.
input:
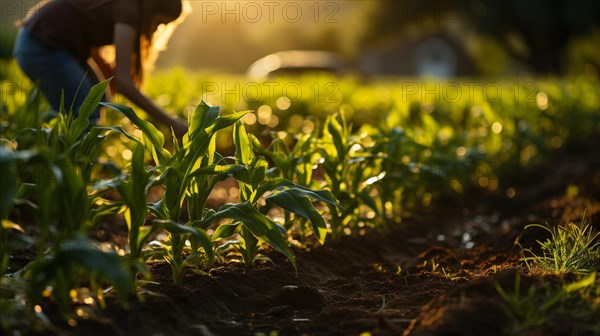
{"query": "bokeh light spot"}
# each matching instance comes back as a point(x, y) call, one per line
point(283, 103)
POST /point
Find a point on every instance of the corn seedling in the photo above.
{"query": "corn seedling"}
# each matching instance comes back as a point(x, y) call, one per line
point(60, 164)
point(404, 172)
point(52, 169)
point(76, 263)
point(350, 173)
point(180, 175)
point(8, 180)
point(294, 164)
point(48, 169)
point(250, 220)
point(133, 188)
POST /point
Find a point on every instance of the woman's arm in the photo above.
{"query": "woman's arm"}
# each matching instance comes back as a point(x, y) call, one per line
point(125, 36)
point(106, 69)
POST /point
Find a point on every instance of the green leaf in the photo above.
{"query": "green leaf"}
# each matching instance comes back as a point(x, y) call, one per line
point(174, 191)
point(204, 223)
point(244, 155)
point(106, 210)
point(240, 172)
point(281, 183)
point(8, 180)
point(86, 110)
point(139, 175)
point(89, 142)
point(198, 234)
point(257, 145)
point(203, 117)
point(224, 231)
point(158, 209)
point(258, 224)
point(258, 168)
point(205, 122)
point(228, 120)
point(243, 147)
point(335, 129)
point(118, 129)
point(296, 201)
point(588, 281)
point(156, 138)
point(82, 252)
point(102, 185)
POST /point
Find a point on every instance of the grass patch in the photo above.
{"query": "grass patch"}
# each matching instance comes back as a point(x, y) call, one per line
point(572, 248)
point(560, 309)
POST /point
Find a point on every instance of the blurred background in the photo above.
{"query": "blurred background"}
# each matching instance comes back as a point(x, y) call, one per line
point(436, 38)
point(478, 90)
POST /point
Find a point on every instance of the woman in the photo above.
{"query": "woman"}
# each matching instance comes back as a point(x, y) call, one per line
point(56, 42)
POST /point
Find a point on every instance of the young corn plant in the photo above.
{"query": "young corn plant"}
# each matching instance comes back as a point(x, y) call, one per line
point(292, 163)
point(61, 163)
point(187, 176)
point(407, 173)
point(26, 116)
point(570, 249)
point(350, 172)
point(76, 263)
point(52, 183)
point(65, 143)
point(133, 187)
point(70, 135)
point(8, 180)
point(396, 180)
point(250, 218)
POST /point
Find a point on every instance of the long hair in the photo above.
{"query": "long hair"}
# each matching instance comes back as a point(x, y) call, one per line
point(153, 39)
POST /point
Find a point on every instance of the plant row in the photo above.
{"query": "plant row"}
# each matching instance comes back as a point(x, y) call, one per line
point(332, 180)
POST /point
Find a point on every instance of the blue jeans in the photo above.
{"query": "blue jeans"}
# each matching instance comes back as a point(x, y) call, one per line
point(55, 71)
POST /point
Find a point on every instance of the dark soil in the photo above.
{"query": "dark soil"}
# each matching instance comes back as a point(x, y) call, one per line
point(433, 274)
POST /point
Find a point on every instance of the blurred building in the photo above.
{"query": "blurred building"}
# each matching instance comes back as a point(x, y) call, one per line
point(435, 55)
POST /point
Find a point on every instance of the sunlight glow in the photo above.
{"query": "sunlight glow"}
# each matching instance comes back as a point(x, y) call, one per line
point(250, 119)
point(497, 127)
point(127, 154)
point(461, 151)
point(542, 100)
point(264, 114)
point(273, 121)
point(308, 126)
point(283, 103)
point(111, 150)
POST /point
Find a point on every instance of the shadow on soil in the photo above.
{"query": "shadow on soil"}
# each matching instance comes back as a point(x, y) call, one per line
point(433, 275)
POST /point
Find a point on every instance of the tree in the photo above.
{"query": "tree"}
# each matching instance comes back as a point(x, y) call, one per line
point(533, 32)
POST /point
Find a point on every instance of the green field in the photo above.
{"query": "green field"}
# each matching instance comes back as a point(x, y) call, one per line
point(286, 164)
